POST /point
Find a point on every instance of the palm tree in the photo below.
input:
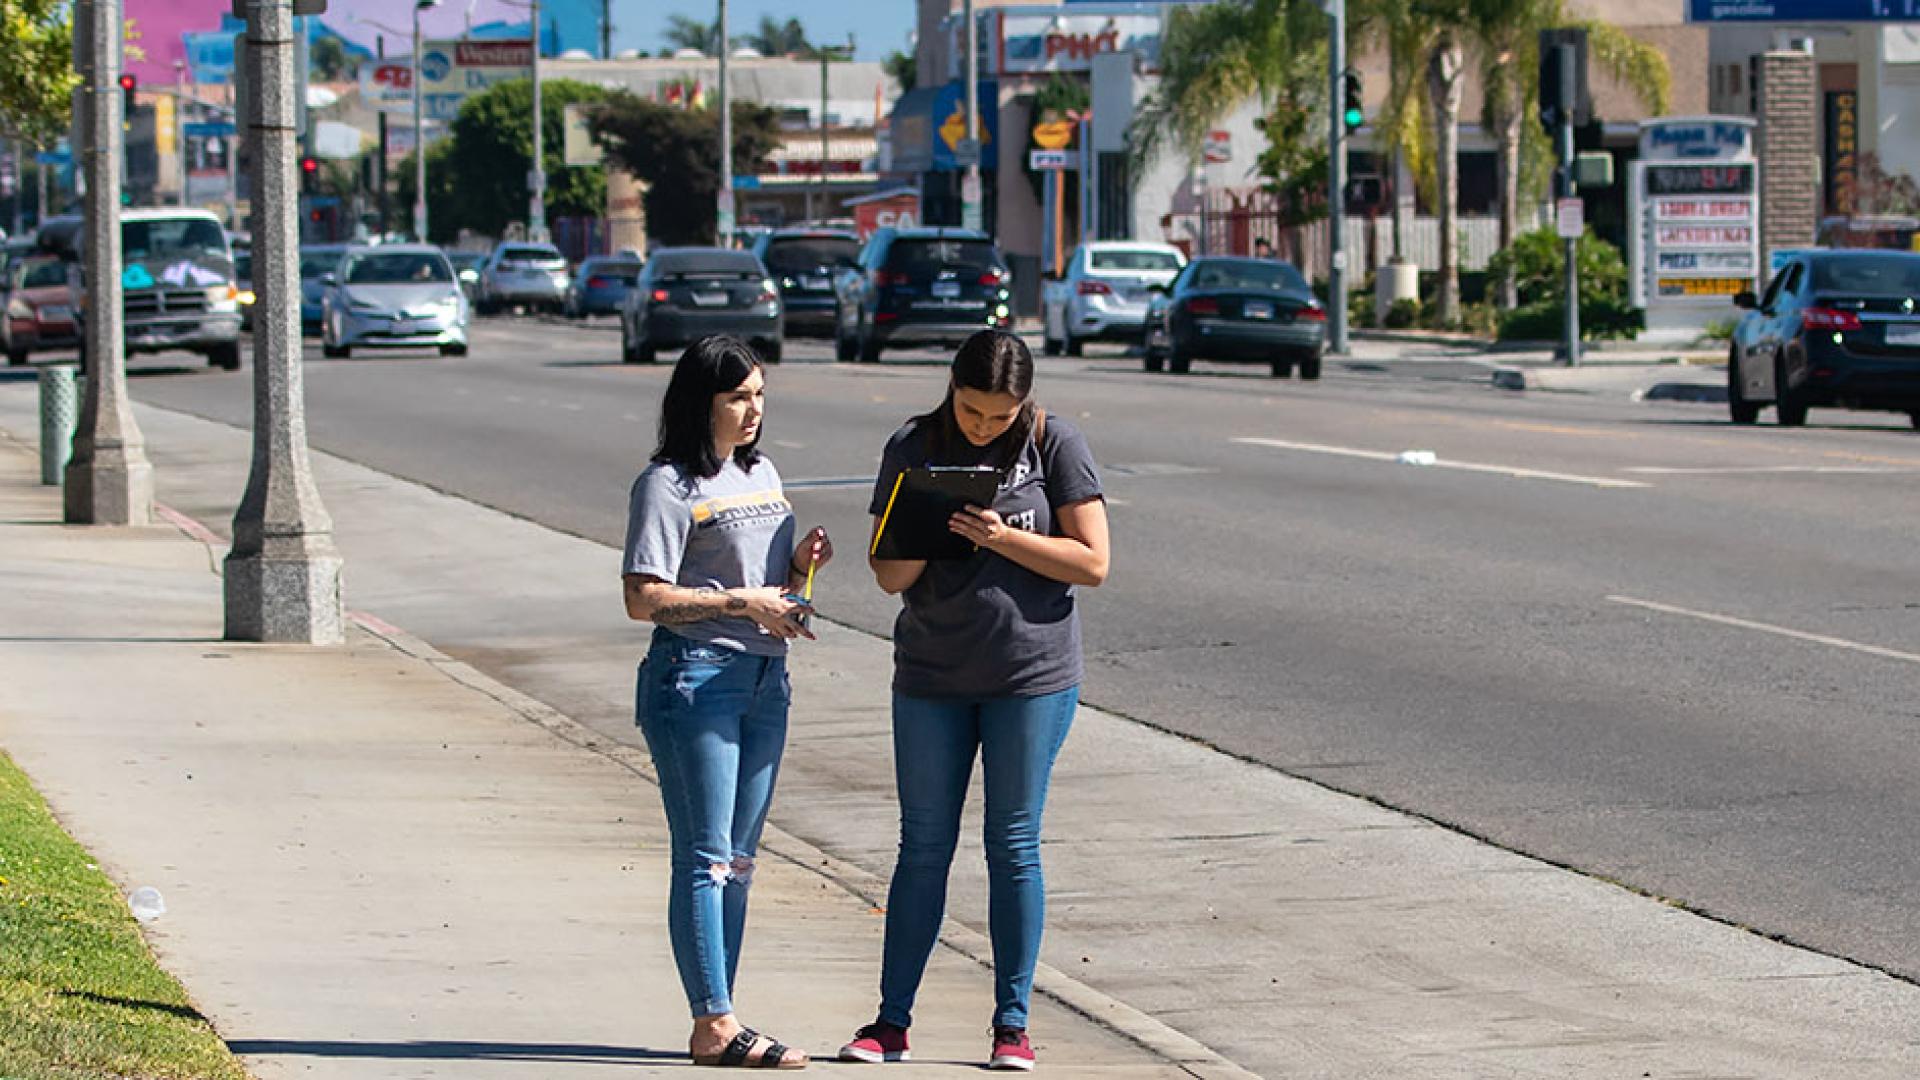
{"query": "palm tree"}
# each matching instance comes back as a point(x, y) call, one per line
point(683, 32)
point(775, 38)
point(1215, 57)
point(1508, 40)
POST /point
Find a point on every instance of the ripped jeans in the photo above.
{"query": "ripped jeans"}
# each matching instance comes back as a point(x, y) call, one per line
point(715, 720)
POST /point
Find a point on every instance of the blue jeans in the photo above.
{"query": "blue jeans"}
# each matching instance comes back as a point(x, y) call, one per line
point(715, 720)
point(934, 744)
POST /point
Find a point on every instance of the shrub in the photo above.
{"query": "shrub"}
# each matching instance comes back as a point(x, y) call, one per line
point(1404, 314)
point(1601, 319)
point(1538, 261)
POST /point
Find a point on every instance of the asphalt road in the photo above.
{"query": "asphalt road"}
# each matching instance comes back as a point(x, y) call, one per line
point(1620, 636)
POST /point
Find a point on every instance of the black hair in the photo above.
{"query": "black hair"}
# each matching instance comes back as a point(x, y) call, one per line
point(992, 362)
point(711, 366)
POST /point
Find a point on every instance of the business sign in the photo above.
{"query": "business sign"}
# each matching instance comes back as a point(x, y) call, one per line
point(1054, 39)
point(210, 55)
point(949, 118)
point(1702, 210)
point(1695, 220)
point(1802, 11)
point(450, 73)
point(1049, 160)
point(1217, 149)
point(1842, 151)
point(1696, 138)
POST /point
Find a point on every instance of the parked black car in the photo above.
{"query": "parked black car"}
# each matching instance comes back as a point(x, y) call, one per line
point(600, 285)
point(1222, 308)
point(803, 263)
point(927, 286)
point(685, 294)
point(1835, 328)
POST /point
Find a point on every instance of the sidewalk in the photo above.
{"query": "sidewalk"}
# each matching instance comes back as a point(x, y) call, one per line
point(379, 863)
point(1297, 931)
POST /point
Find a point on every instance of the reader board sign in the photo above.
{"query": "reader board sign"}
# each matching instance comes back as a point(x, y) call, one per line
point(1695, 210)
point(1798, 11)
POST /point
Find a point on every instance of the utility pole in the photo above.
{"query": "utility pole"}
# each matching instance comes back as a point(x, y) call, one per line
point(606, 29)
point(537, 177)
point(108, 480)
point(380, 162)
point(419, 130)
point(970, 184)
point(827, 53)
point(282, 577)
point(724, 200)
point(1337, 179)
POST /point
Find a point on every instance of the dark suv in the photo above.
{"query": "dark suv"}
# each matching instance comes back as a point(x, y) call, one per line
point(930, 286)
point(1835, 328)
point(803, 263)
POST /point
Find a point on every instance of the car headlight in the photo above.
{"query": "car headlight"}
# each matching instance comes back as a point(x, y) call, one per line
point(223, 298)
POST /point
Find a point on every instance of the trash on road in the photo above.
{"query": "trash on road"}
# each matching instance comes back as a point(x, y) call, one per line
point(146, 903)
point(1418, 457)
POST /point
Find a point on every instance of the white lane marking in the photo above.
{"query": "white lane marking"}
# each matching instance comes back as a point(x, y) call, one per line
point(1769, 628)
point(1735, 470)
point(1443, 463)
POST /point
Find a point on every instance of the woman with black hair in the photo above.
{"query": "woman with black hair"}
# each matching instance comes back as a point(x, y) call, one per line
point(987, 663)
point(711, 562)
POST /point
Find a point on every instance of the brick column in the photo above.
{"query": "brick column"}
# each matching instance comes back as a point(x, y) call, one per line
point(1788, 152)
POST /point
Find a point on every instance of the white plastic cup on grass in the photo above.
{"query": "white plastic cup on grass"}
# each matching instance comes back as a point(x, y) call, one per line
point(146, 903)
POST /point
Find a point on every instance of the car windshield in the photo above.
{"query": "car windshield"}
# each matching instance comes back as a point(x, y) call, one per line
point(43, 275)
point(184, 252)
point(1262, 275)
point(532, 255)
point(1135, 260)
point(398, 268)
point(623, 272)
point(1868, 274)
point(926, 257)
point(707, 264)
point(804, 254)
point(315, 263)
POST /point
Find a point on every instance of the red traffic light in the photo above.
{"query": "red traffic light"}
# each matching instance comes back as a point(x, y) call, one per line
point(309, 165)
point(128, 83)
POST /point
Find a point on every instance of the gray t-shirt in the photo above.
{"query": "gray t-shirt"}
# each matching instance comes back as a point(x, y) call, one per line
point(986, 626)
point(732, 530)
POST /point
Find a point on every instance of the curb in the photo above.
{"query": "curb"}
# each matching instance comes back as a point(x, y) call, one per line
point(1173, 1046)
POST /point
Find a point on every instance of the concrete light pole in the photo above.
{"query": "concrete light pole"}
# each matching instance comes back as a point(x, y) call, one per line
point(108, 480)
point(537, 177)
point(724, 200)
point(827, 53)
point(419, 129)
point(282, 577)
point(1337, 179)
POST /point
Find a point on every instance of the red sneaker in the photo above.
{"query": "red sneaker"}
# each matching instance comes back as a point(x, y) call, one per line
point(1011, 1050)
point(877, 1042)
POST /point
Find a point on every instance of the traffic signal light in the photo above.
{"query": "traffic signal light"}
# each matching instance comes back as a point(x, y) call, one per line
point(309, 173)
point(1353, 101)
point(128, 84)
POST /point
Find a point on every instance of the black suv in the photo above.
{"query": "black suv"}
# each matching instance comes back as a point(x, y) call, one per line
point(803, 262)
point(928, 286)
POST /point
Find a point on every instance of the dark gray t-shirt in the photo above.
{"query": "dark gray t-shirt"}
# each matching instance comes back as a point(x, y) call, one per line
point(732, 530)
point(986, 626)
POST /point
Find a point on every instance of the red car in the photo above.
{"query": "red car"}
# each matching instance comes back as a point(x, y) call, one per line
point(41, 309)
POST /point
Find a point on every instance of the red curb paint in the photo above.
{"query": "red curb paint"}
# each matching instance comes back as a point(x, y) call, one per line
point(188, 525)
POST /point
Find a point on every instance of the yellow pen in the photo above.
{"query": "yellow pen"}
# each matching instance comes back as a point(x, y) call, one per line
point(807, 593)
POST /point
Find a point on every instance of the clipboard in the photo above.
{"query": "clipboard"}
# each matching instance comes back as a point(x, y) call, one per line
point(914, 524)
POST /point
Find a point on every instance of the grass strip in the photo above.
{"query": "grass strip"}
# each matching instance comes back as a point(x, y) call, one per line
point(80, 994)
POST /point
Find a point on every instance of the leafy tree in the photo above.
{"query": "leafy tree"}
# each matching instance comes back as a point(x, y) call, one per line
point(672, 150)
point(683, 32)
point(477, 176)
point(36, 69)
point(904, 68)
point(329, 59)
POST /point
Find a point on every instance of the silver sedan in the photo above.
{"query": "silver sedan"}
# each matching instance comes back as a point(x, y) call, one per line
point(402, 295)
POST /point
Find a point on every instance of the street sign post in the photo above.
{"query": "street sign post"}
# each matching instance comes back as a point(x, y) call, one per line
point(1571, 218)
point(1046, 160)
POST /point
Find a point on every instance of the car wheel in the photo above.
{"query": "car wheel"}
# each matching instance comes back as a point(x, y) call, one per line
point(453, 349)
point(769, 352)
point(627, 355)
point(1179, 360)
point(225, 357)
point(1280, 368)
point(1309, 367)
point(869, 347)
point(16, 357)
point(1914, 419)
point(843, 346)
point(643, 352)
point(1739, 409)
point(1154, 362)
point(1072, 345)
point(1789, 405)
point(1048, 345)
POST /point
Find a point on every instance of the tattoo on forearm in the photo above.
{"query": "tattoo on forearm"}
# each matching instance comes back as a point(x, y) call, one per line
point(705, 604)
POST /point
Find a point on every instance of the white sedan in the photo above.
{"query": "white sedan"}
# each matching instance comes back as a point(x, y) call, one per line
point(1104, 294)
